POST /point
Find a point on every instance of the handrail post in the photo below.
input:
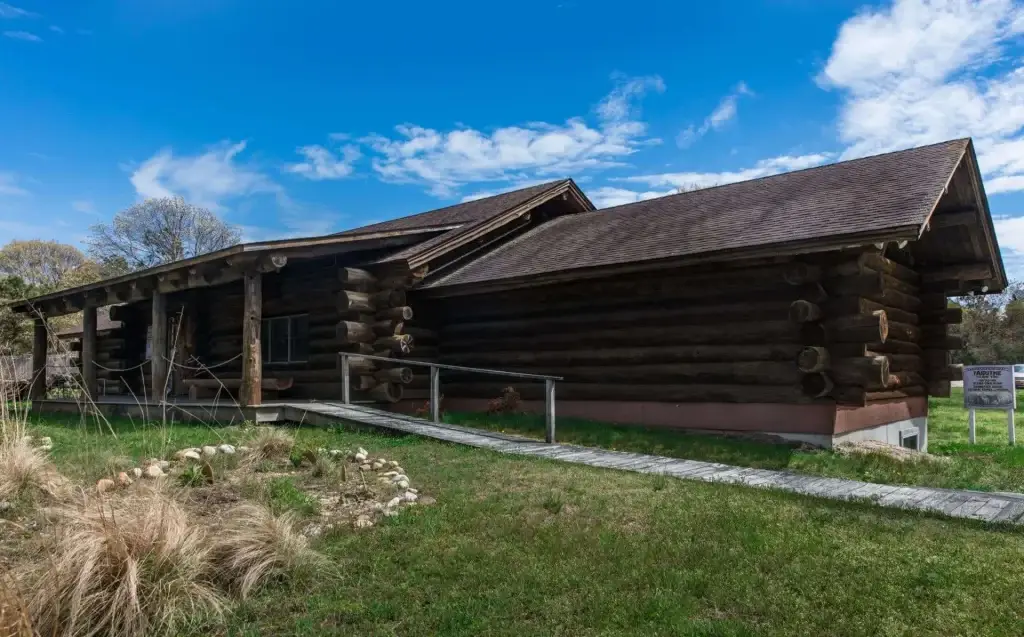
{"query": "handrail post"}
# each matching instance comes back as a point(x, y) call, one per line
point(435, 393)
point(549, 411)
point(346, 391)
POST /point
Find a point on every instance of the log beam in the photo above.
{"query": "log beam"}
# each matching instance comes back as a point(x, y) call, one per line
point(89, 352)
point(158, 346)
point(40, 340)
point(959, 272)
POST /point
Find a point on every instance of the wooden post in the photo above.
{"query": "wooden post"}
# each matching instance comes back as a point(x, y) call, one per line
point(158, 347)
point(970, 426)
point(346, 380)
point(89, 351)
point(251, 392)
point(435, 394)
point(37, 391)
point(549, 411)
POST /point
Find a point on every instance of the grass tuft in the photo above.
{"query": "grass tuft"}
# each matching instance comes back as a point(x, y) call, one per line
point(27, 473)
point(126, 566)
point(254, 545)
point(270, 443)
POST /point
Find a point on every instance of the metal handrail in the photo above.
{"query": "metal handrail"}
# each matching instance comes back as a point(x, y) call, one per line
point(435, 385)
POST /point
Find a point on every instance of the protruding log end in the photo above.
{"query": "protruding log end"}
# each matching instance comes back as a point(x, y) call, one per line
point(349, 301)
point(387, 393)
point(355, 276)
point(940, 388)
point(352, 332)
point(401, 313)
point(817, 385)
point(402, 375)
point(812, 359)
point(800, 273)
point(804, 312)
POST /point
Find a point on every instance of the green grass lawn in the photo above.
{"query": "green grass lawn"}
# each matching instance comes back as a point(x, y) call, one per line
point(990, 465)
point(524, 546)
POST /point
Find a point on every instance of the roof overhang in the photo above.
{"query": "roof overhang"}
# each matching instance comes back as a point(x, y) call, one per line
point(215, 268)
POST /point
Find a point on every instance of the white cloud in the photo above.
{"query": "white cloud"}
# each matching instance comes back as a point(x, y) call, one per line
point(763, 168)
point(11, 12)
point(56, 29)
point(9, 185)
point(1010, 234)
point(722, 115)
point(322, 163)
point(446, 160)
point(22, 35)
point(207, 179)
point(923, 71)
point(482, 194)
point(609, 196)
point(84, 206)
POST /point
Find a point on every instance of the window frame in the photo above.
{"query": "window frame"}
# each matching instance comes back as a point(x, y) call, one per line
point(289, 320)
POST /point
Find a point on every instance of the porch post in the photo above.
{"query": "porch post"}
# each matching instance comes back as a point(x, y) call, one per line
point(37, 389)
point(251, 392)
point(89, 350)
point(158, 353)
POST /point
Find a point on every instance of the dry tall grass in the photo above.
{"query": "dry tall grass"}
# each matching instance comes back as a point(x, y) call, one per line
point(14, 620)
point(253, 545)
point(269, 443)
point(126, 566)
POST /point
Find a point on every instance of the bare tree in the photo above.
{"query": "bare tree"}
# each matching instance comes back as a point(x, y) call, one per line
point(158, 231)
point(46, 265)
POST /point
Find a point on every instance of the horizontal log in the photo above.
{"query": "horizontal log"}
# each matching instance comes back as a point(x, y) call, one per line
point(389, 298)
point(348, 301)
point(902, 380)
point(388, 327)
point(890, 346)
point(905, 363)
point(351, 332)
point(773, 309)
point(386, 393)
point(723, 333)
point(947, 342)
point(860, 397)
point(397, 343)
point(421, 334)
point(947, 372)
point(850, 305)
point(934, 301)
point(358, 365)
point(861, 328)
point(937, 358)
point(740, 373)
point(867, 262)
point(940, 388)
point(402, 375)
point(904, 332)
point(622, 355)
point(874, 287)
point(960, 272)
point(401, 313)
point(802, 311)
point(357, 278)
point(629, 392)
point(813, 359)
point(865, 371)
point(123, 313)
point(949, 315)
point(817, 385)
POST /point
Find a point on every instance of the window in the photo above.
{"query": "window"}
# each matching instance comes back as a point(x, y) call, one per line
point(910, 439)
point(285, 339)
point(1018, 369)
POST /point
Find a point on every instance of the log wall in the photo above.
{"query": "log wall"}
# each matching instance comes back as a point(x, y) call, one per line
point(837, 328)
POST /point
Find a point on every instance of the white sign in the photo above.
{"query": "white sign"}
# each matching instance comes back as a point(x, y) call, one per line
point(989, 387)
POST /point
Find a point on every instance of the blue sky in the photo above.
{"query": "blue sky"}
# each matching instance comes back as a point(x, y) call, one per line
point(294, 119)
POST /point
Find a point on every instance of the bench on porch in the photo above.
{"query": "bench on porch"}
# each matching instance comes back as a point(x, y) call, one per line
point(207, 387)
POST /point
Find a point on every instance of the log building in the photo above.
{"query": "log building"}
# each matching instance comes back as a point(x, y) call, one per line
point(810, 305)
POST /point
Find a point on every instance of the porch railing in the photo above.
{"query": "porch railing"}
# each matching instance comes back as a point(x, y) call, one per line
point(435, 385)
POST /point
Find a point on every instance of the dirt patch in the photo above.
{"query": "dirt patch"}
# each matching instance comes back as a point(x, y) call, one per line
point(875, 447)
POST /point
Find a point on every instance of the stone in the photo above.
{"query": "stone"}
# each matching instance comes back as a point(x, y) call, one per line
point(390, 474)
point(399, 469)
point(5, 506)
point(243, 449)
point(360, 457)
point(164, 465)
point(363, 522)
point(45, 441)
point(393, 463)
point(413, 491)
point(403, 484)
point(393, 502)
point(104, 485)
point(409, 496)
point(426, 500)
point(209, 451)
point(363, 451)
point(136, 473)
point(390, 513)
point(123, 480)
point(364, 467)
point(377, 466)
point(398, 477)
point(152, 472)
point(192, 454)
point(334, 453)
point(384, 480)
point(228, 450)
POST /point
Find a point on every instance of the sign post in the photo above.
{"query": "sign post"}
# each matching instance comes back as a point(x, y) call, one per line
point(990, 387)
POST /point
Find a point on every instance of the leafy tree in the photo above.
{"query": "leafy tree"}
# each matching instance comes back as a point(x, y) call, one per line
point(46, 266)
point(15, 329)
point(993, 327)
point(158, 231)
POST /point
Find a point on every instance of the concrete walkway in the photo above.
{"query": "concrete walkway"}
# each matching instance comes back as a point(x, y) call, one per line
point(977, 505)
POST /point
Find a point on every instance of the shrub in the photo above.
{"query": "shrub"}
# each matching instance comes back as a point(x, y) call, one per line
point(253, 545)
point(270, 443)
point(508, 403)
point(125, 566)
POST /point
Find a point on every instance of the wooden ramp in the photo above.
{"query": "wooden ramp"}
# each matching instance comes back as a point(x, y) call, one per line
point(977, 505)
